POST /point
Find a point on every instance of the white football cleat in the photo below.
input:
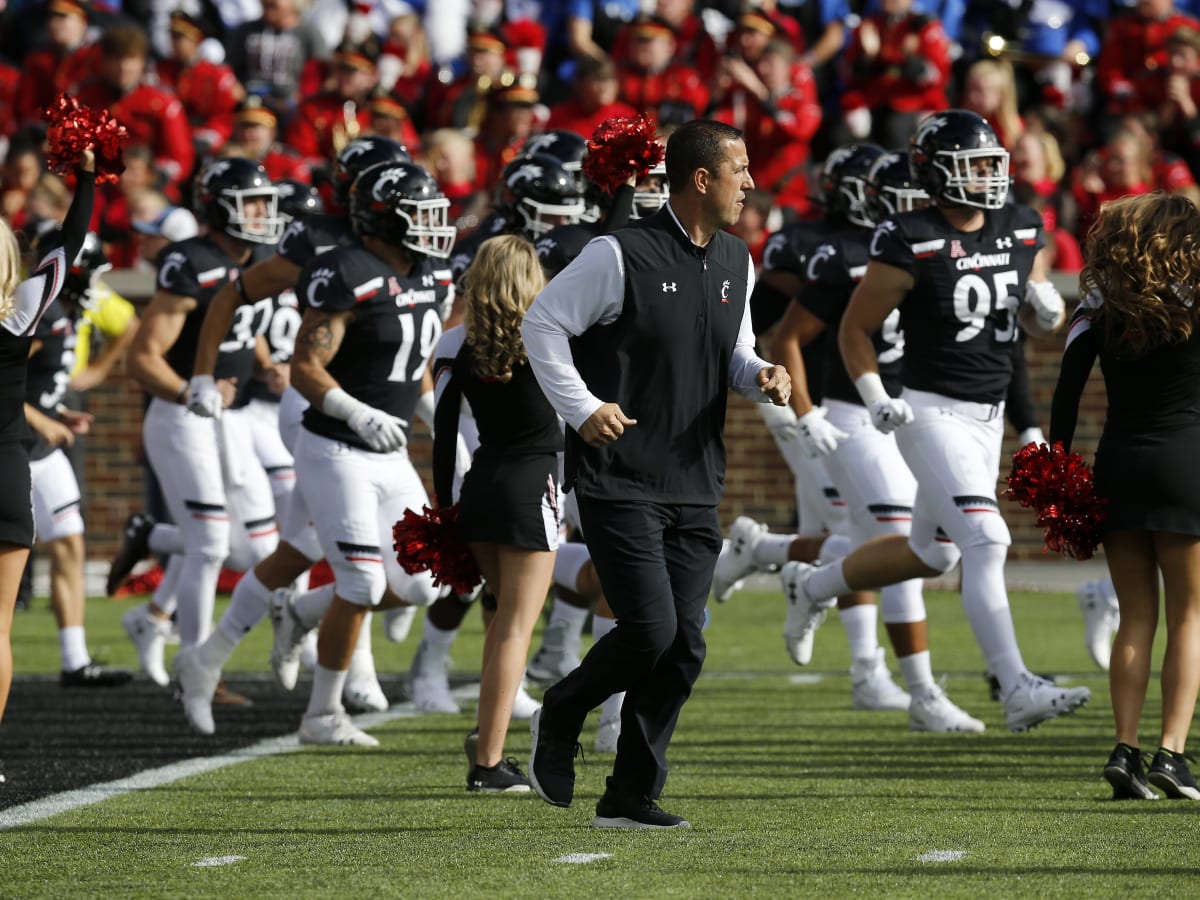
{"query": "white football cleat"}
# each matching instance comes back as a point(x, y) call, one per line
point(524, 706)
point(736, 560)
point(556, 658)
point(397, 622)
point(429, 682)
point(1034, 700)
point(149, 636)
point(198, 683)
point(289, 638)
point(607, 735)
point(931, 710)
point(335, 729)
point(804, 615)
point(1101, 616)
point(873, 687)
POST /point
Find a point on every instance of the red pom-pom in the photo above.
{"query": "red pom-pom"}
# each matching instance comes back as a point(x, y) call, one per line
point(621, 147)
point(74, 128)
point(1059, 487)
point(429, 541)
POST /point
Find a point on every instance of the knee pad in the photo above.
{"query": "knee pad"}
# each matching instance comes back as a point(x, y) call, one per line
point(417, 590)
point(886, 518)
point(986, 526)
point(359, 583)
point(208, 532)
point(569, 561)
point(902, 603)
point(934, 548)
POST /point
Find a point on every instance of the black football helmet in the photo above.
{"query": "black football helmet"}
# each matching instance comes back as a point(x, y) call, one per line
point(89, 264)
point(401, 203)
point(570, 148)
point(297, 200)
point(651, 192)
point(957, 158)
point(357, 156)
point(222, 190)
point(533, 188)
point(891, 188)
point(844, 182)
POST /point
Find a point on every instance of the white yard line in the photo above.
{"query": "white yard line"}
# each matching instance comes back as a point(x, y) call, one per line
point(36, 810)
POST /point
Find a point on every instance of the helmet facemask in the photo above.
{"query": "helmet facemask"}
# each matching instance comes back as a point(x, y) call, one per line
point(428, 226)
point(265, 229)
point(533, 212)
point(963, 185)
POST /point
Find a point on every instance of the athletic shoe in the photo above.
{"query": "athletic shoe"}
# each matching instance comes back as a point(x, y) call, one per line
point(289, 637)
point(625, 811)
point(1101, 616)
point(524, 706)
point(198, 684)
point(552, 763)
point(429, 684)
point(397, 622)
point(737, 557)
point(135, 546)
point(931, 710)
point(503, 778)
point(556, 658)
point(804, 615)
point(149, 636)
point(471, 747)
point(95, 675)
point(334, 729)
point(1036, 699)
point(1125, 773)
point(364, 694)
point(607, 735)
point(1169, 773)
point(873, 687)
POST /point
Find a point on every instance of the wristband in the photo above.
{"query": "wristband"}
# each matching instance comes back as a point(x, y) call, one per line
point(870, 387)
point(181, 396)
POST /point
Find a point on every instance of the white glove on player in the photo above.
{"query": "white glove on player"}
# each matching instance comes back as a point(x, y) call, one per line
point(381, 432)
point(817, 435)
point(203, 397)
point(888, 415)
point(1046, 303)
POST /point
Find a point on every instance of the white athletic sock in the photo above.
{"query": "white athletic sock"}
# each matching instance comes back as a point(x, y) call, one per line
point(826, 582)
point(72, 647)
point(165, 538)
point(164, 597)
point(197, 596)
point(310, 606)
point(214, 651)
point(772, 549)
point(568, 622)
point(569, 562)
point(433, 654)
point(602, 625)
point(326, 696)
point(610, 709)
point(362, 662)
point(247, 607)
point(917, 672)
point(860, 624)
point(985, 601)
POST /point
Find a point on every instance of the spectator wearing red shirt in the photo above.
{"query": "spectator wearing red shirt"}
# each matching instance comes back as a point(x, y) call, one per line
point(594, 99)
point(209, 92)
point(694, 46)
point(990, 90)
point(896, 68)
point(1178, 100)
point(450, 158)
point(404, 65)
point(154, 116)
point(65, 60)
point(389, 119)
point(1122, 167)
point(1134, 53)
point(463, 102)
point(10, 77)
point(254, 130)
point(775, 104)
point(510, 118)
point(757, 27)
point(1037, 170)
point(653, 82)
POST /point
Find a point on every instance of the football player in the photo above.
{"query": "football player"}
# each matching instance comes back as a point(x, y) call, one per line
point(965, 274)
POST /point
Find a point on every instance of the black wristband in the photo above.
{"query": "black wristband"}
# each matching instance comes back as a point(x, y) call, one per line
point(182, 395)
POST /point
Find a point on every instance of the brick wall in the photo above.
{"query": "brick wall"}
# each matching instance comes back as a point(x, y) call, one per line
point(757, 483)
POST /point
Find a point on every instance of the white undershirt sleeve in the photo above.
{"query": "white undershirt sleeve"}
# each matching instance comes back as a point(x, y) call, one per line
point(745, 364)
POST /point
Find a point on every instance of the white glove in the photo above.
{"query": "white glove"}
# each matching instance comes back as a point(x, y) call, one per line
point(380, 431)
point(817, 435)
point(1046, 303)
point(203, 397)
point(780, 420)
point(888, 415)
point(1031, 436)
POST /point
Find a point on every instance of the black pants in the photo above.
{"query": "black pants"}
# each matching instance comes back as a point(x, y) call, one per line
point(655, 563)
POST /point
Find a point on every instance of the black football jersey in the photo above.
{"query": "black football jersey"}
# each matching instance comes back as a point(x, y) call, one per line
point(465, 249)
point(278, 320)
point(396, 326)
point(787, 250)
point(50, 368)
point(960, 318)
point(198, 268)
point(307, 238)
point(834, 270)
point(559, 246)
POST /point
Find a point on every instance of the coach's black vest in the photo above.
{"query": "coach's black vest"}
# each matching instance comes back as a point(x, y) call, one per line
point(665, 361)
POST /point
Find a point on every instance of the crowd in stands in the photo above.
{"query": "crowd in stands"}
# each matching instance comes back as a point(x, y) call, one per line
point(1094, 98)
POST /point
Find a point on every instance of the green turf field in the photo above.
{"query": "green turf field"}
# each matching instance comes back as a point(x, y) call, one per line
point(790, 794)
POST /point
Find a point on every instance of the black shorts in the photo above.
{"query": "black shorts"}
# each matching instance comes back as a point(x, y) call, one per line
point(512, 501)
point(16, 500)
point(1149, 481)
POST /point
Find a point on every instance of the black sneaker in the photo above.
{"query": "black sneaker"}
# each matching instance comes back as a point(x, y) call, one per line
point(626, 811)
point(135, 546)
point(502, 778)
point(96, 675)
point(1169, 773)
point(1125, 773)
point(471, 748)
point(552, 763)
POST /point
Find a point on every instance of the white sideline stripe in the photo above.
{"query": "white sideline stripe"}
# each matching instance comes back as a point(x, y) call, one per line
point(218, 860)
point(578, 858)
point(36, 810)
point(942, 856)
point(806, 678)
